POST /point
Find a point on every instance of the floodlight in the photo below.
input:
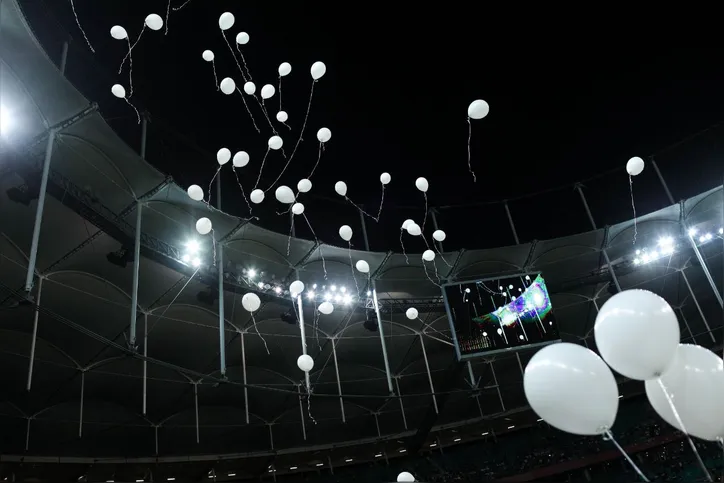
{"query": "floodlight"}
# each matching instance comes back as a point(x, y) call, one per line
point(310, 295)
point(196, 262)
point(251, 273)
point(192, 246)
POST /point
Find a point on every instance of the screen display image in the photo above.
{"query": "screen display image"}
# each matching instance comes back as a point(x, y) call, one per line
point(489, 316)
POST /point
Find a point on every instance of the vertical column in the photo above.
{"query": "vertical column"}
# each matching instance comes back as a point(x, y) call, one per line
point(429, 374)
point(243, 371)
point(271, 438)
point(301, 413)
point(39, 211)
point(196, 408)
point(497, 386)
point(510, 222)
point(220, 269)
point(136, 269)
point(402, 405)
point(36, 314)
point(155, 436)
point(145, 361)
point(144, 134)
point(377, 424)
point(82, 398)
point(339, 382)
point(63, 58)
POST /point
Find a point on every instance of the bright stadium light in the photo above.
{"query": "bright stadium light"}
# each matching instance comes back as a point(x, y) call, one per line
point(251, 273)
point(193, 246)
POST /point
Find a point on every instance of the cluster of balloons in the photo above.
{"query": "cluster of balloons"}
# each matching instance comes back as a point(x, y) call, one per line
point(411, 227)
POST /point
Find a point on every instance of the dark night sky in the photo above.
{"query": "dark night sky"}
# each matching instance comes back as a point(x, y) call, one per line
point(566, 104)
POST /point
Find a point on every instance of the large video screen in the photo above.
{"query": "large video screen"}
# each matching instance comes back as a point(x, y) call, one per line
point(497, 315)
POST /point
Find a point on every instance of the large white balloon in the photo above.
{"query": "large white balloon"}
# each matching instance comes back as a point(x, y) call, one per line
point(428, 255)
point(296, 288)
point(195, 192)
point(119, 91)
point(305, 363)
point(637, 334)
point(242, 38)
point(226, 21)
point(250, 88)
point(203, 226)
point(282, 116)
point(318, 70)
point(414, 229)
point(304, 185)
point(635, 166)
point(572, 389)
point(345, 231)
point(241, 159)
point(223, 156)
point(412, 313)
point(439, 235)
point(228, 86)
point(478, 109)
point(118, 32)
point(267, 91)
point(405, 477)
point(363, 266)
point(406, 223)
point(326, 308)
point(422, 184)
point(250, 302)
point(341, 188)
point(208, 56)
point(154, 21)
point(695, 383)
point(285, 68)
point(324, 135)
point(385, 178)
point(275, 143)
point(297, 208)
point(256, 196)
point(284, 194)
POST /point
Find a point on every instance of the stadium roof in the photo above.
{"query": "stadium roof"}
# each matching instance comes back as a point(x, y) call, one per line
point(92, 398)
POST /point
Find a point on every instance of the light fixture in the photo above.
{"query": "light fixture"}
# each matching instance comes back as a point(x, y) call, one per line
point(192, 246)
point(721, 231)
point(328, 296)
point(539, 420)
point(231, 474)
point(343, 289)
point(170, 478)
point(692, 232)
point(292, 468)
point(251, 273)
point(432, 445)
point(348, 460)
point(196, 262)
point(457, 440)
point(378, 455)
point(511, 427)
point(278, 290)
point(347, 299)
point(139, 481)
point(369, 293)
point(320, 464)
point(403, 451)
point(260, 285)
point(484, 434)
point(314, 286)
point(310, 295)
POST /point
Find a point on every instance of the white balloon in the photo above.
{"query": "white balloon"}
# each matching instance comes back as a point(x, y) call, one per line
point(439, 235)
point(428, 255)
point(154, 21)
point(305, 363)
point(478, 109)
point(282, 116)
point(422, 184)
point(412, 313)
point(223, 156)
point(118, 32)
point(241, 159)
point(405, 477)
point(385, 178)
point(208, 56)
point(226, 20)
point(267, 91)
point(275, 142)
point(304, 185)
point(635, 166)
point(345, 231)
point(572, 389)
point(203, 226)
point(341, 188)
point(297, 208)
point(695, 383)
point(284, 194)
point(228, 86)
point(414, 229)
point(256, 196)
point(250, 302)
point(242, 38)
point(318, 70)
point(407, 223)
point(195, 192)
point(326, 308)
point(324, 135)
point(296, 288)
point(119, 91)
point(637, 334)
point(285, 68)
point(250, 88)
point(363, 266)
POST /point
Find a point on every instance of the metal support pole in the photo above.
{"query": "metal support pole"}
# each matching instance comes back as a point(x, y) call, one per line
point(473, 382)
point(402, 406)
point(301, 413)
point(520, 364)
point(196, 409)
point(686, 324)
point(243, 372)
point(603, 250)
point(377, 309)
point(39, 211)
point(220, 266)
point(145, 362)
point(512, 225)
point(429, 374)
point(31, 363)
point(64, 58)
point(144, 135)
point(331, 467)
point(497, 386)
point(136, 269)
point(698, 307)
point(433, 215)
point(339, 382)
point(663, 182)
point(82, 397)
point(155, 431)
point(271, 436)
point(377, 424)
point(27, 434)
point(303, 334)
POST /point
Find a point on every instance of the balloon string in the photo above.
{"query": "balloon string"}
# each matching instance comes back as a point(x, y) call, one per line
point(168, 13)
point(424, 217)
point(130, 68)
point(441, 256)
point(670, 399)
point(243, 61)
point(280, 93)
point(470, 135)
point(213, 244)
point(304, 124)
point(130, 49)
point(238, 181)
point(243, 76)
point(77, 21)
point(351, 265)
point(633, 205)
point(309, 405)
point(429, 326)
point(263, 161)
point(216, 81)
point(609, 437)
point(359, 208)
point(321, 254)
point(211, 184)
point(315, 322)
point(402, 244)
point(259, 334)
point(424, 266)
point(245, 105)
point(319, 157)
point(382, 201)
point(176, 9)
point(289, 238)
point(138, 115)
point(266, 115)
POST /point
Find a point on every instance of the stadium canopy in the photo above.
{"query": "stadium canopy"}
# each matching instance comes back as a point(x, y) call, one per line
point(73, 391)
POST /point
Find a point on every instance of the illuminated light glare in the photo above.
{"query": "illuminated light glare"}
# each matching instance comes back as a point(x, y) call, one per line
point(637, 261)
point(193, 246)
point(378, 455)
point(348, 460)
point(292, 467)
point(403, 451)
point(333, 288)
point(186, 258)
point(500, 288)
point(638, 252)
point(369, 293)
point(260, 284)
point(310, 295)
point(484, 434)
point(337, 298)
point(347, 299)
point(278, 289)
point(320, 464)
point(510, 287)
point(196, 262)
point(328, 296)
point(171, 478)
point(231, 474)
point(692, 232)
point(343, 289)
point(500, 331)
point(485, 334)
point(511, 427)
point(139, 481)
point(251, 273)
point(432, 445)
point(314, 286)
point(646, 258)
point(457, 439)
point(521, 337)
point(721, 231)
